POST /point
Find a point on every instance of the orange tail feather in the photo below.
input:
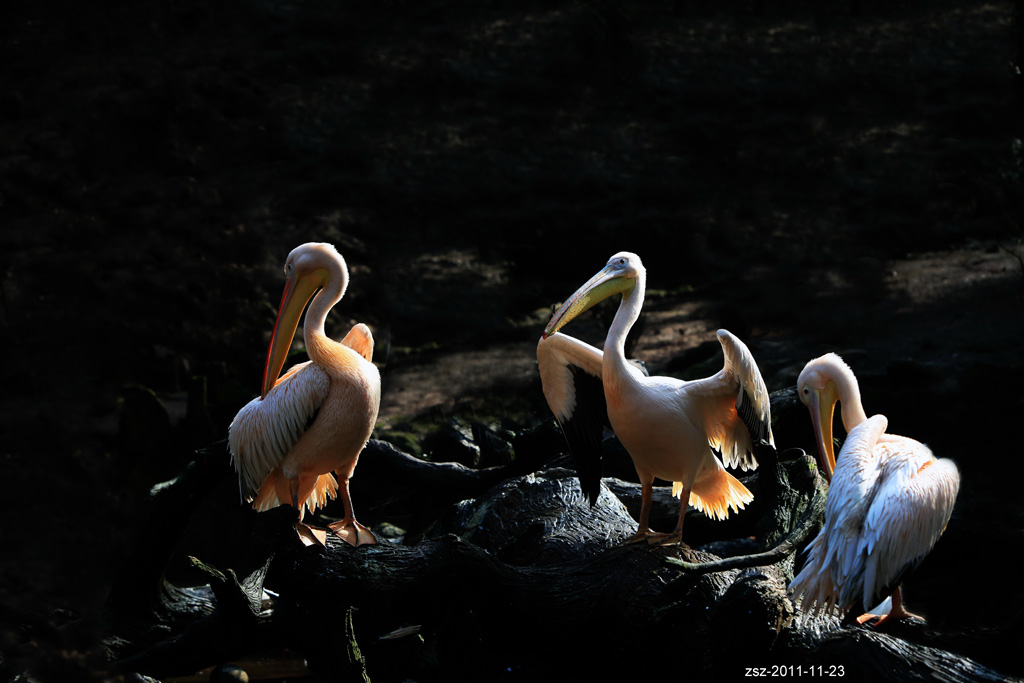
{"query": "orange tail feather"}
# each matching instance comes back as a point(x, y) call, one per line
point(313, 492)
point(717, 494)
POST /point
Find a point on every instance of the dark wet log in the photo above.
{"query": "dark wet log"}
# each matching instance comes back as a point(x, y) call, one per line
point(908, 653)
point(411, 492)
point(532, 540)
point(519, 578)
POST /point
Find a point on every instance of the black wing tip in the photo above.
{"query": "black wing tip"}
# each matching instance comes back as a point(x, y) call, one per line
point(759, 429)
point(588, 473)
point(584, 431)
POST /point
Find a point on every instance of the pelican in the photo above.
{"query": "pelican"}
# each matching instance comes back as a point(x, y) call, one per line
point(889, 500)
point(668, 426)
point(318, 416)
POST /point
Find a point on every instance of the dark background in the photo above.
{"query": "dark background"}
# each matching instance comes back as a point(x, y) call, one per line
point(813, 176)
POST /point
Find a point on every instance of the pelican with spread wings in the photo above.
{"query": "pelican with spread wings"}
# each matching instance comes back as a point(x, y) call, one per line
point(671, 428)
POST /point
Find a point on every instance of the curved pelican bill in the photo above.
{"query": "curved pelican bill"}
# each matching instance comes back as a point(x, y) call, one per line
point(299, 288)
point(609, 281)
point(822, 406)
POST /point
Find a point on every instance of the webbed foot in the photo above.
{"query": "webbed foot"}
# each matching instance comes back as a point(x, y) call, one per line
point(352, 532)
point(311, 536)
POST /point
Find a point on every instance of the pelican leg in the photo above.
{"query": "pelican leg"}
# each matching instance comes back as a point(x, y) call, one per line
point(307, 534)
point(896, 613)
point(643, 532)
point(676, 537)
point(347, 528)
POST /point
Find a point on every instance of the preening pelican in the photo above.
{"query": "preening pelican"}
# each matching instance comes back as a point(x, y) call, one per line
point(318, 416)
point(889, 500)
point(668, 426)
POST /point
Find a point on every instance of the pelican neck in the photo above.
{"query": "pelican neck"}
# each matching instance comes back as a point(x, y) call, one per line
point(625, 317)
point(323, 301)
point(852, 409)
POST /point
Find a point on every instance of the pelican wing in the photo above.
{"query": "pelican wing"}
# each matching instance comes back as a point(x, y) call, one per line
point(909, 512)
point(360, 340)
point(264, 430)
point(737, 410)
point(834, 568)
point(570, 374)
point(854, 488)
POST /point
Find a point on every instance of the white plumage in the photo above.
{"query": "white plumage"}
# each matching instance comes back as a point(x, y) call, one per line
point(265, 430)
point(889, 500)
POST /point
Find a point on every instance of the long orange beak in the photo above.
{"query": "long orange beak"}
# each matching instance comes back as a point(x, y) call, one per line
point(822, 405)
point(298, 290)
point(604, 284)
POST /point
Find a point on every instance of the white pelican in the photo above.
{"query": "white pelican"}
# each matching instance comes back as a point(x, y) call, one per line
point(318, 416)
point(668, 426)
point(888, 501)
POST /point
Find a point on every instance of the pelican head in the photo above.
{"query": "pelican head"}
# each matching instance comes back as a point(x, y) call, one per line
point(820, 393)
point(619, 276)
point(309, 268)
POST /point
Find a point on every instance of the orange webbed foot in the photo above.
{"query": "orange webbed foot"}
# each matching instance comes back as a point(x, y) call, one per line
point(353, 533)
point(311, 536)
point(642, 535)
point(869, 619)
point(879, 621)
point(669, 539)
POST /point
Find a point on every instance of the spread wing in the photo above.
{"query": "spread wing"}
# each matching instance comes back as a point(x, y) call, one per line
point(264, 430)
point(570, 374)
point(736, 405)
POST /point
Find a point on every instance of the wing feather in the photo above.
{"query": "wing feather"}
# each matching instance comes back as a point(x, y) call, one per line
point(264, 430)
point(570, 373)
point(360, 340)
point(888, 503)
point(738, 412)
point(908, 514)
point(834, 559)
point(854, 486)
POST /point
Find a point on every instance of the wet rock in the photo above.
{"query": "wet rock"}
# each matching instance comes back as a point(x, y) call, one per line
point(539, 519)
